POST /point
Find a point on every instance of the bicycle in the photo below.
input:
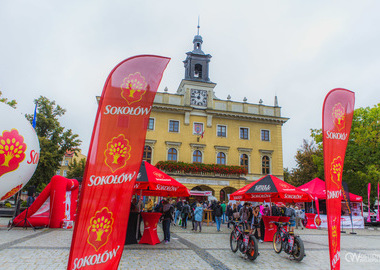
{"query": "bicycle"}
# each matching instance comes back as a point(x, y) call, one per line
point(243, 240)
point(292, 244)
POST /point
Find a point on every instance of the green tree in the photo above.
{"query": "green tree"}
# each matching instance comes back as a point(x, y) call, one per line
point(11, 103)
point(306, 168)
point(76, 169)
point(362, 159)
point(54, 140)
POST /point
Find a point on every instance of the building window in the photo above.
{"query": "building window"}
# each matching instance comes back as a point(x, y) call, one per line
point(244, 161)
point(147, 155)
point(265, 135)
point(173, 126)
point(172, 154)
point(66, 163)
point(197, 156)
point(221, 131)
point(221, 158)
point(151, 124)
point(64, 173)
point(244, 133)
point(265, 165)
point(58, 172)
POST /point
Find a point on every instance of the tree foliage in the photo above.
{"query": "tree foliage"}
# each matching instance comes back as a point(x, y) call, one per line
point(306, 168)
point(11, 103)
point(54, 140)
point(76, 169)
point(362, 160)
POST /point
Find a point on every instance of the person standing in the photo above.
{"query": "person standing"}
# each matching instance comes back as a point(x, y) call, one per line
point(229, 214)
point(149, 205)
point(291, 213)
point(218, 215)
point(192, 208)
point(184, 214)
point(256, 222)
point(198, 216)
point(224, 211)
point(167, 217)
point(178, 211)
point(244, 213)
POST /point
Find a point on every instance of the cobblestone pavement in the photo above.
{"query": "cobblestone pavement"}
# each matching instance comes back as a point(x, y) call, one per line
point(49, 249)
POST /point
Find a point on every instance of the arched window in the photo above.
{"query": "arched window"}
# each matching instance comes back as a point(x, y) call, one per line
point(265, 165)
point(221, 158)
point(172, 154)
point(197, 156)
point(198, 71)
point(244, 161)
point(147, 155)
point(222, 195)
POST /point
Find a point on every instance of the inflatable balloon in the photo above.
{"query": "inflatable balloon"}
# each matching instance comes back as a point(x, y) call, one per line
point(19, 151)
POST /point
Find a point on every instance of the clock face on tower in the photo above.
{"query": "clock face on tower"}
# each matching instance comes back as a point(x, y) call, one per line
point(198, 97)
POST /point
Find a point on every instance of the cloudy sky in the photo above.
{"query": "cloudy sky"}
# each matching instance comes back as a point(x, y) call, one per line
point(297, 50)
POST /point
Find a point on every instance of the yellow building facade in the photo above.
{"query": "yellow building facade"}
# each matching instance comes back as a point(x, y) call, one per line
point(68, 159)
point(194, 125)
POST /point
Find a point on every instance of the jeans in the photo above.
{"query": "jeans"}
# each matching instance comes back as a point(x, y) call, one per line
point(177, 213)
point(184, 222)
point(198, 223)
point(218, 220)
point(223, 217)
point(166, 228)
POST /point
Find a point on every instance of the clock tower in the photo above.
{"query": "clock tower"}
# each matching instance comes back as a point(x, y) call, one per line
point(196, 86)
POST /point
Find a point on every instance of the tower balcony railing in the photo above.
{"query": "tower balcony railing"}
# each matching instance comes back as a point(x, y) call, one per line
point(201, 169)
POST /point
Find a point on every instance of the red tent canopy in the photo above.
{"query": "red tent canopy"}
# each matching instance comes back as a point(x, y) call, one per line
point(270, 188)
point(153, 182)
point(317, 188)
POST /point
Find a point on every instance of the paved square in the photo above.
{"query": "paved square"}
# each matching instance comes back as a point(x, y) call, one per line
point(49, 249)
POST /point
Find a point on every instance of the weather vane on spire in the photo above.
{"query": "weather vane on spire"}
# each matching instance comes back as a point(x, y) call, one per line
point(198, 26)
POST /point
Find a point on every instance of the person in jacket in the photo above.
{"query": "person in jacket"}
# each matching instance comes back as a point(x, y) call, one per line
point(244, 214)
point(229, 214)
point(149, 205)
point(256, 222)
point(192, 208)
point(291, 213)
point(167, 217)
point(224, 211)
point(218, 215)
point(178, 211)
point(198, 216)
point(184, 214)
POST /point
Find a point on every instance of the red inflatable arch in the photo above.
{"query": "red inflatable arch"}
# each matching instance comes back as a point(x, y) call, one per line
point(56, 203)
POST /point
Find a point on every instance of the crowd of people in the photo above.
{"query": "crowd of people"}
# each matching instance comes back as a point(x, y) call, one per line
point(179, 212)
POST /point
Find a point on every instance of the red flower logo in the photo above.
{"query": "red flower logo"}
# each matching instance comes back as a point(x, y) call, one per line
point(11, 193)
point(133, 88)
point(100, 228)
point(117, 153)
point(317, 221)
point(336, 171)
point(12, 151)
point(339, 116)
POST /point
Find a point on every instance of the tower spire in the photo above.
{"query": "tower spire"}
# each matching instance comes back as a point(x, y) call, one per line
point(198, 27)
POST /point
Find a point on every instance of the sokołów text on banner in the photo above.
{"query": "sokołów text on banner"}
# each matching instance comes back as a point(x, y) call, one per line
point(113, 162)
point(338, 109)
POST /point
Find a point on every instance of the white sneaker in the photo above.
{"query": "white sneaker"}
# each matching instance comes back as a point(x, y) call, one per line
point(261, 241)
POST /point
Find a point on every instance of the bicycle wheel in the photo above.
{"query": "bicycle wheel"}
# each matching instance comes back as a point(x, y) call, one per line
point(234, 241)
point(253, 248)
point(298, 249)
point(277, 242)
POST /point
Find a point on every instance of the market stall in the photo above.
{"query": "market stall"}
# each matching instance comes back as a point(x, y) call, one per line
point(317, 189)
point(153, 182)
point(270, 189)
